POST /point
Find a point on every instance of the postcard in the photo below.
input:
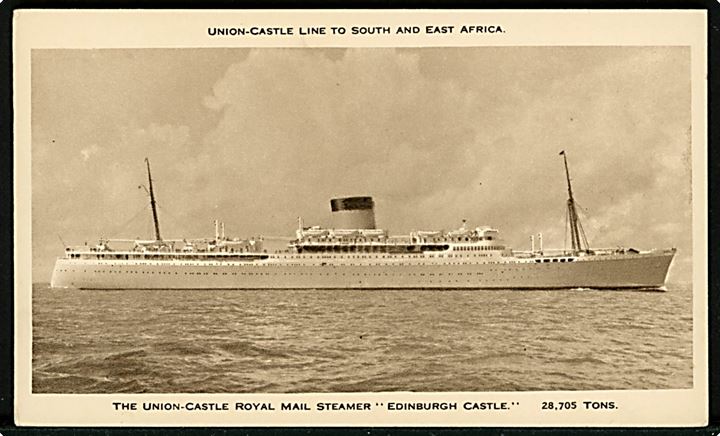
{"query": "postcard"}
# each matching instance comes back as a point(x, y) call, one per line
point(360, 217)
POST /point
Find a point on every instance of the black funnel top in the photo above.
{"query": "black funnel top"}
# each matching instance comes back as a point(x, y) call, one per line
point(352, 203)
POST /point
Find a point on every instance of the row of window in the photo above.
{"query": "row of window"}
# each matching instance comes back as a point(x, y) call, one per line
point(314, 265)
point(501, 269)
point(555, 259)
point(264, 257)
point(480, 248)
point(395, 249)
point(364, 274)
point(170, 256)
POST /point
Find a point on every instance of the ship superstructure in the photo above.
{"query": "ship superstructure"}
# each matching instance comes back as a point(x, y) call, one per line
point(354, 254)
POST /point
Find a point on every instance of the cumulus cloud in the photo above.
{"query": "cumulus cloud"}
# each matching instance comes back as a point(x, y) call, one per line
point(393, 124)
point(316, 127)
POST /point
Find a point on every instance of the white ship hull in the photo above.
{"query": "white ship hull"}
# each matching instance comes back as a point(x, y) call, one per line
point(641, 270)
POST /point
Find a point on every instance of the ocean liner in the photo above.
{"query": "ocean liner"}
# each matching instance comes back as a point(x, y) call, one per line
point(354, 254)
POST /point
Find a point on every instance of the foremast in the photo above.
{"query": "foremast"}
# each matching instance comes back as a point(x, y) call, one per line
point(577, 234)
point(152, 203)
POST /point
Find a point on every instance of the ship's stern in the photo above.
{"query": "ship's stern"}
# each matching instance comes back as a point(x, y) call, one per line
point(60, 275)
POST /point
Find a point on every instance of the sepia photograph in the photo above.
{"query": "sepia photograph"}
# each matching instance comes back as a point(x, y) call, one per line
point(221, 213)
point(347, 220)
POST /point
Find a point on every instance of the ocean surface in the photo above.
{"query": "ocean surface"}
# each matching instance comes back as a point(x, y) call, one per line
point(359, 341)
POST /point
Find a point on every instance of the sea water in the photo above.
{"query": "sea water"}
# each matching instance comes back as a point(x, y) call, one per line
point(165, 341)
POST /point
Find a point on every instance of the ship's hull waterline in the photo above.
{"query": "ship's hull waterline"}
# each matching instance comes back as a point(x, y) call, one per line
point(643, 270)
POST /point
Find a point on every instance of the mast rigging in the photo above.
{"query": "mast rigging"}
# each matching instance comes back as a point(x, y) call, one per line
point(577, 234)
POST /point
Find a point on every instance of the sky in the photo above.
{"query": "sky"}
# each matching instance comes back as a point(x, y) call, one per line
point(258, 137)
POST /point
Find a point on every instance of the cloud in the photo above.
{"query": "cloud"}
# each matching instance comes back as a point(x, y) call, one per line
point(435, 135)
point(378, 121)
point(314, 127)
point(87, 152)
